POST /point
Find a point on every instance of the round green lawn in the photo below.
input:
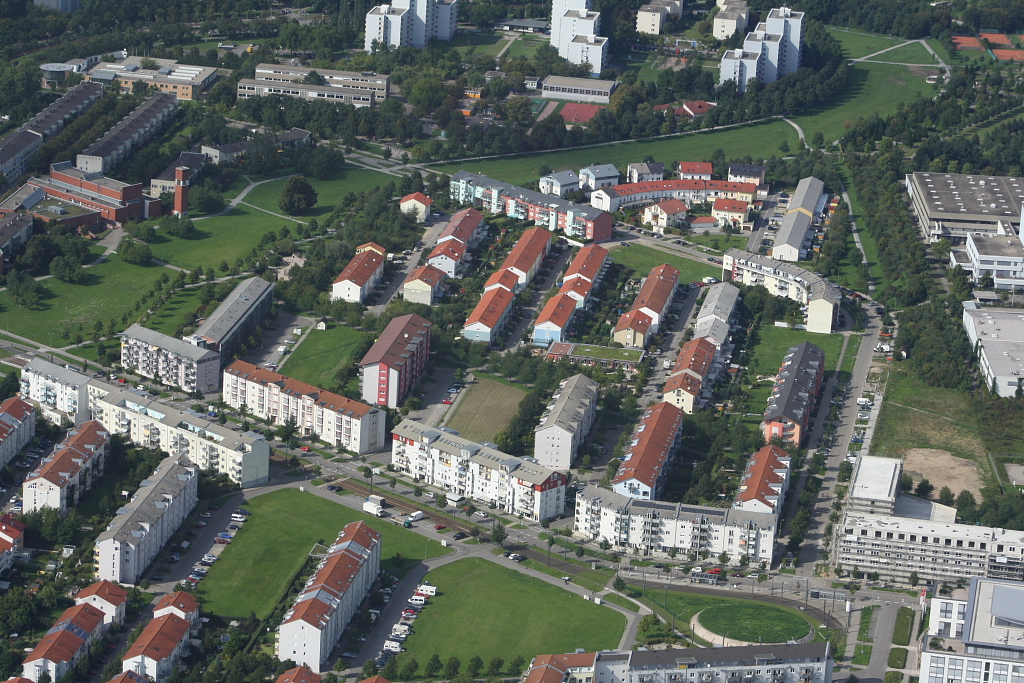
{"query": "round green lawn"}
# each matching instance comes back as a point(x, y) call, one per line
point(754, 622)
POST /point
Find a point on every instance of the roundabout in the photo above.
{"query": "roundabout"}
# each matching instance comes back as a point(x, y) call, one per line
point(748, 623)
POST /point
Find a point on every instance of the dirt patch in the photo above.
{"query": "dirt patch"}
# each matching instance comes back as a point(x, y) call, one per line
point(924, 71)
point(942, 468)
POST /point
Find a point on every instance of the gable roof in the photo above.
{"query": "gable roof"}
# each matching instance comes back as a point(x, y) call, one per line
point(652, 443)
point(398, 341)
point(528, 250)
point(68, 634)
point(697, 107)
point(462, 226)
point(418, 197)
point(502, 278)
point(181, 600)
point(672, 206)
point(491, 307)
point(692, 366)
point(105, 590)
point(587, 263)
point(761, 472)
point(702, 167)
point(299, 674)
point(70, 456)
point(723, 204)
point(638, 321)
point(558, 311)
point(362, 267)
point(657, 289)
point(428, 274)
point(681, 185)
point(793, 394)
point(453, 249)
point(324, 399)
point(158, 640)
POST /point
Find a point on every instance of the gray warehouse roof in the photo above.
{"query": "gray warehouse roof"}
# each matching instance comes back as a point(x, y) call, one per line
point(793, 395)
point(968, 198)
point(235, 308)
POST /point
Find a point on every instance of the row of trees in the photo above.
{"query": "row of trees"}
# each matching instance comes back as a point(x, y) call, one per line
point(403, 669)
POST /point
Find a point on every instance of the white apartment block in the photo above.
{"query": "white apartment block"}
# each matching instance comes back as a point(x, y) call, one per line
point(171, 361)
point(997, 336)
point(60, 392)
point(650, 18)
point(159, 647)
point(330, 598)
point(338, 420)
point(440, 457)
point(17, 427)
point(142, 526)
point(408, 23)
point(245, 458)
point(575, 33)
point(565, 424)
point(771, 51)
point(732, 17)
point(60, 478)
point(108, 598)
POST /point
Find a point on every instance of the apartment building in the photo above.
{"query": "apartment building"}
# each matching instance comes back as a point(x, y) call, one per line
point(746, 173)
point(645, 172)
point(167, 180)
point(794, 394)
point(441, 457)
point(338, 420)
point(360, 89)
point(236, 319)
point(684, 189)
point(60, 392)
point(997, 336)
point(15, 231)
point(770, 52)
point(60, 479)
point(405, 23)
point(170, 361)
point(817, 295)
point(764, 482)
point(553, 324)
point(303, 674)
point(566, 422)
point(141, 527)
point(576, 34)
point(720, 300)
point(803, 213)
point(416, 205)
point(12, 541)
point(181, 81)
point(597, 176)
point(651, 17)
point(361, 275)
point(652, 301)
point(181, 604)
point(730, 212)
point(330, 598)
point(490, 316)
point(423, 286)
point(17, 427)
point(632, 329)
point(690, 382)
point(547, 211)
point(559, 184)
point(395, 363)
point(665, 214)
point(66, 642)
point(157, 650)
point(649, 454)
point(731, 19)
point(131, 132)
point(451, 253)
point(129, 677)
point(108, 598)
point(779, 663)
point(695, 170)
point(585, 273)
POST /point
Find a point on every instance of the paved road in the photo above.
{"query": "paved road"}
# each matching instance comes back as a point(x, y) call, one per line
point(394, 286)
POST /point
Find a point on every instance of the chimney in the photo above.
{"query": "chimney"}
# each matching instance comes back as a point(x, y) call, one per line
point(181, 176)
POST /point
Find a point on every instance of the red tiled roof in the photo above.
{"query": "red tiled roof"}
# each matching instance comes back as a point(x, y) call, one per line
point(761, 473)
point(325, 399)
point(703, 220)
point(105, 590)
point(503, 278)
point(462, 226)
point(417, 197)
point(453, 249)
point(158, 640)
point(578, 286)
point(682, 184)
point(653, 440)
point(587, 263)
point(60, 644)
point(428, 273)
point(638, 321)
point(662, 107)
point(129, 677)
point(703, 167)
point(731, 205)
point(362, 267)
point(17, 408)
point(491, 307)
point(371, 246)
point(672, 206)
point(70, 455)
point(20, 679)
point(10, 528)
point(299, 674)
point(181, 600)
point(528, 250)
point(692, 365)
point(657, 289)
point(546, 669)
point(391, 348)
point(558, 311)
point(697, 107)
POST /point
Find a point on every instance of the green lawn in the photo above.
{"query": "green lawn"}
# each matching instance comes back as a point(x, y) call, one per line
point(857, 45)
point(329, 192)
point(254, 572)
point(940, 50)
point(897, 658)
point(758, 140)
point(526, 46)
point(719, 242)
point(466, 618)
point(172, 314)
point(324, 352)
point(224, 238)
point(642, 64)
point(478, 43)
point(105, 291)
point(485, 408)
point(904, 625)
point(871, 88)
point(914, 53)
point(866, 240)
point(861, 655)
point(641, 259)
point(773, 342)
point(865, 624)
point(755, 622)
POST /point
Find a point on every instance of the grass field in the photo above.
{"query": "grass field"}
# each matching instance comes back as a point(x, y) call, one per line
point(642, 64)
point(897, 658)
point(871, 88)
point(866, 240)
point(758, 140)
point(857, 45)
point(862, 655)
point(172, 314)
point(641, 259)
point(478, 43)
point(324, 352)
point(904, 625)
point(526, 45)
point(940, 50)
point(254, 572)
point(484, 409)
point(755, 622)
point(865, 624)
point(224, 238)
point(723, 243)
point(105, 291)
point(914, 53)
point(329, 192)
point(773, 342)
point(467, 618)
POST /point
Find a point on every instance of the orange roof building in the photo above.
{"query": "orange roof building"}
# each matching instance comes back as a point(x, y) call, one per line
point(17, 427)
point(695, 170)
point(361, 274)
point(489, 316)
point(527, 254)
point(417, 205)
point(330, 598)
point(503, 278)
point(395, 363)
point(656, 294)
point(465, 226)
point(338, 420)
point(553, 321)
point(765, 481)
point(301, 674)
point(423, 285)
point(730, 210)
point(65, 643)
point(107, 597)
point(692, 369)
point(158, 648)
point(180, 604)
point(590, 263)
point(12, 540)
point(61, 478)
point(632, 329)
point(449, 257)
point(649, 453)
point(651, 191)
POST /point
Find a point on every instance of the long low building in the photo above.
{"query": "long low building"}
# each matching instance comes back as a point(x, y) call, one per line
point(338, 420)
point(819, 298)
point(691, 191)
point(577, 89)
point(691, 379)
point(357, 97)
point(60, 479)
point(997, 336)
point(648, 456)
point(131, 132)
point(954, 205)
point(648, 311)
point(183, 81)
point(378, 84)
point(803, 213)
point(441, 457)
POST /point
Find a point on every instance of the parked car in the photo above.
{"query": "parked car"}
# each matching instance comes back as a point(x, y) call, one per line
point(222, 541)
point(242, 511)
point(334, 488)
point(305, 449)
point(446, 401)
point(439, 527)
point(205, 515)
point(459, 535)
point(234, 527)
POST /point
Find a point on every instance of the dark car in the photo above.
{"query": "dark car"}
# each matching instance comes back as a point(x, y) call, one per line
point(711, 258)
point(242, 511)
point(459, 535)
point(156, 577)
point(334, 488)
point(234, 527)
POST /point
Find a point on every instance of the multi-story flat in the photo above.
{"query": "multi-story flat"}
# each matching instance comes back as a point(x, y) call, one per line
point(60, 479)
point(585, 273)
point(15, 231)
point(108, 598)
point(566, 422)
point(575, 33)
point(720, 301)
point(652, 302)
point(423, 286)
point(60, 392)
point(803, 213)
point(559, 184)
point(167, 181)
point(362, 273)
point(632, 329)
point(66, 642)
point(732, 18)
point(17, 427)
point(378, 84)
point(597, 176)
point(143, 525)
point(689, 384)
point(553, 213)
point(181, 604)
point(330, 598)
point(463, 232)
point(480, 472)
point(578, 89)
point(236, 319)
point(130, 133)
point(818, 296)
point(771, 51)
point(788, 413)
point(687, 190)
point(651, 17)
point(416, 205)
point(695, 170)
point(405, 23)
point(245, 458)
point(158, 648)
point(170, 361)
point(335, 94)
point(181, 81)
point(648, 456)
point(665, 214)
point(338, 420)
point(395, 363)
point(779, 663)
point(745, 173)
point(490, 316)
point(997, 337)
point(12, 540)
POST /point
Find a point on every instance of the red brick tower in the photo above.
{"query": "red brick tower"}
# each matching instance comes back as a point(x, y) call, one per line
point(181, 176)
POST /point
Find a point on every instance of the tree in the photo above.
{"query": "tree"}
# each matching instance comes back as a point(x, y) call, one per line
point(494, 668)
point(518, 110)
point(923, 489)
point(392, 483)
point(515, 667)
point(409, 670)
point(619, 584)
point(723, 558)
point(498, 533)
point(579, 551)
point(914, 578)
point(426, 96)
point(451, 667)
point(946, 496)
point(784, 146)
point(368, 473)
point(313, 78)
point(434, 666)
point(818, 139)
point(66, 269)
point(544, 170)
point(286, 431)
point(390, 670)
point(474, 666)
point(417, 491)
point(147, 63)
point(136, 253)
point(370, 669)
point(298, 196)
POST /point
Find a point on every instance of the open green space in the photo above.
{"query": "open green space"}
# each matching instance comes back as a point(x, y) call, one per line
point(224, 238)
point(526, 46)
point(850, 357)
point(172, 314)
point(641, 259)
point(329, 192)
point(106, 291)
point(862, 655)
point(319, 357)
point(719, 242)
point(871, 88)
point(940, 50)
point(461, 621)
point(857, 45)
point(478, 43)
point(773, 342)
point(853, 259)
point(756, 139)
point(904, 624)
point(485, 408)
point(643, 64)
point(914, 53)
point(897, 658)
point(255, 571)
point(754, 622)
point(621, 602)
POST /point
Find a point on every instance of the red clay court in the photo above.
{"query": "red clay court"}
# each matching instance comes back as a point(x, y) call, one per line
point(1009, 55)
point(966, 43)
point(995, 38)
point(579, 113)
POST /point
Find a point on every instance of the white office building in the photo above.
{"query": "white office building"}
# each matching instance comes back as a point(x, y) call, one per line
point(441, 457)
point(575, 33)
point(410, 23)
point(142, 526)
point(565, 424)
point(60, 393)
point(170, 361)
point(997, 336)
point(772, 50)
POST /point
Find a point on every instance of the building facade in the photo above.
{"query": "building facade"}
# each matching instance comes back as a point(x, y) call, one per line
point(648, 456)
point(134, 130)
point(60, 479)
point(997, 337)
point(108, 598)
point(803, 213)
point(395, 363)
point(17, 427)
point(576, 34)
point(170, 361)
point(566, 422)
point(770, 52)
point(684, 189)
point(66, 642)
point(407, 23)
point(794, 395)
point(361, 275)
point(60, 392)
point(423, 286)
point(159, 647)
point(653, 300)
point(691, 379)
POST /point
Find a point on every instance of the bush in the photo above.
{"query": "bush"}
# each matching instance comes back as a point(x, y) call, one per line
point(897, 658)
point(904, 623)
point(893, 677)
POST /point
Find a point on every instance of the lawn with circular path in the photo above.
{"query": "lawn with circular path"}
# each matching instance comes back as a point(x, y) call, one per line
point(754, 622)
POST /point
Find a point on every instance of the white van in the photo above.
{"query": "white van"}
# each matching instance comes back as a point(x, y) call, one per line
point(393, 645)
point(427, 589)
point(417, 600)
point(416, 516)
point(401, 628)
point(237, 518)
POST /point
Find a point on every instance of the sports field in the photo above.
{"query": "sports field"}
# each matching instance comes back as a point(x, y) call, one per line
point(473, 615)
point(641, 259)
point(254, 572)
point(484, 409)
point(319, 357)
point(754, 622)
point(329, 192)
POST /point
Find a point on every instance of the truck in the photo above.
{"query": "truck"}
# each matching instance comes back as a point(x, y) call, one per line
point(416, 516)
point(227, 46)
point(666, 364)
point(426, 589)
point(374, 505)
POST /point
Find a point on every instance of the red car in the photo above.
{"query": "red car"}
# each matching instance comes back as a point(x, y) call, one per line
point(221, 541)
point(304, 449)
point(716, 570)
point(446, 401)
point(438, 527)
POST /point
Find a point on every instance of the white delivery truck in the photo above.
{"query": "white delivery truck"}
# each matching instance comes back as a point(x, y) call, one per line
point(416, 516)
point(374, 505)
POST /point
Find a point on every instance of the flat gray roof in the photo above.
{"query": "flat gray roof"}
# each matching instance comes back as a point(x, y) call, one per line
point(56, 373)
point(876, 478)
point(1001, 333)
point(968, 198)
point(223, 321)
point(582, 83)
point(147, 506)
point(998, 245)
